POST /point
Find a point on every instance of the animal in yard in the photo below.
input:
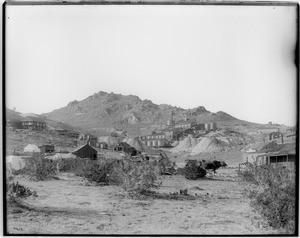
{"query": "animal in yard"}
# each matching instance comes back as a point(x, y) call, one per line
point(213, 165)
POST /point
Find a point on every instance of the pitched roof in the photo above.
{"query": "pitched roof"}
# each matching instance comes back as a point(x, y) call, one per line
point(124, 144)
point(255, 147)
point(281, 149)
point(46, 145)
point(80, 147)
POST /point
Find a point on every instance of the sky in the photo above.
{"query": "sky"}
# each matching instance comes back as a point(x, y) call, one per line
point(236, 59)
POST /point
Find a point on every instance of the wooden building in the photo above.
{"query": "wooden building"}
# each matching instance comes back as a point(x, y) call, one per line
point(123, 146)
point(61, 131)
point(85, 151)
point(47, 148)
point(251, 151)
point(156, 139)
point(88, 137)
point(283, 155)
point(33, 123)
point(275, 136)
point(73, 134)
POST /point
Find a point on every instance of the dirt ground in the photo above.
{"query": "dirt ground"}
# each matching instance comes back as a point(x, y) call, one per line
point(70, 205)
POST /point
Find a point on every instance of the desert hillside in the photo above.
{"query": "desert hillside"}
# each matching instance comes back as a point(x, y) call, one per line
point(104, 112)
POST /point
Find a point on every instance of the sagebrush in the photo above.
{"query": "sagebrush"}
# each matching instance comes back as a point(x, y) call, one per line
point(273, 194)
point(140, 177)
point(39, 168)
point(131, 175)
point(16, 190)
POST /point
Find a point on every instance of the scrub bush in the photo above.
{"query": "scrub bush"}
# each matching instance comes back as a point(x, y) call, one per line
point(140, 177)
point(16, 190)
point(39, 168)
point(273, 194)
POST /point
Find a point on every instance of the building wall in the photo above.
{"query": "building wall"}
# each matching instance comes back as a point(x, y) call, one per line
point(47, 148)
point(33, 125)
point(86, 152)
point(287, 161)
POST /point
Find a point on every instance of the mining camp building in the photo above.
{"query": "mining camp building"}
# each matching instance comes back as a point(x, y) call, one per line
point(47, 148)
point(123, 146)
point(154, 140)
point(283, 155)
point(85, 151)
point(33, 123)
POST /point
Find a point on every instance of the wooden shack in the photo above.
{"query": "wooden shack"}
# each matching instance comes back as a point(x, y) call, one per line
point(123, 146)
point(284, 155)
point(47, 148)
point(85, 151)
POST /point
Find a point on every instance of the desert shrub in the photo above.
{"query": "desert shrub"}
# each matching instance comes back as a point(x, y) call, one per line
point(70, 164)
point(193, 170)
point(39, 168)
point(16, 190)
point(99, 171)
point(104, 171)
point(140, 177)
point(132, 176)
point(273, 194)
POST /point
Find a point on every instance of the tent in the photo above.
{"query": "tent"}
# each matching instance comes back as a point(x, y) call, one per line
point(16, 162)
point(32, 148)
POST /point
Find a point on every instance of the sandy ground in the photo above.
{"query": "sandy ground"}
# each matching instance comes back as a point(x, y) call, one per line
point(70, 205)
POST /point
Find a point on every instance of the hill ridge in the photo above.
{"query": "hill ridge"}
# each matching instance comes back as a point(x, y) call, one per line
point(102, 111)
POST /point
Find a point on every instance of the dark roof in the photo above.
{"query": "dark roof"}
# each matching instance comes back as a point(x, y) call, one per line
point(28, 118)
point(80, 147)
point(46, 145)
point(124, 144)
point(281, 149)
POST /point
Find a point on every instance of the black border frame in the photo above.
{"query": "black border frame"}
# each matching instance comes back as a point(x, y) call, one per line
point(147, 2)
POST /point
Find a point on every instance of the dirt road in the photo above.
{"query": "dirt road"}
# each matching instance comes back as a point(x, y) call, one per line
point(69, 206)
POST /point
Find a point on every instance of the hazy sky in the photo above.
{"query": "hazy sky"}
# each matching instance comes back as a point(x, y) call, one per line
point(237, 59)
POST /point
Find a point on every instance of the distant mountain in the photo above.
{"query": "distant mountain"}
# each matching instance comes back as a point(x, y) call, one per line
point(104, 112)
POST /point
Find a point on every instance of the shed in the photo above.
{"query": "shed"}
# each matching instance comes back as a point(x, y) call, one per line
point(47, 148)
point(85, 151)
point(32, 148)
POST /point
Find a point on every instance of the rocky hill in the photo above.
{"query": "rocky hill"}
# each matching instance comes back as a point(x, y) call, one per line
point(103, 113)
